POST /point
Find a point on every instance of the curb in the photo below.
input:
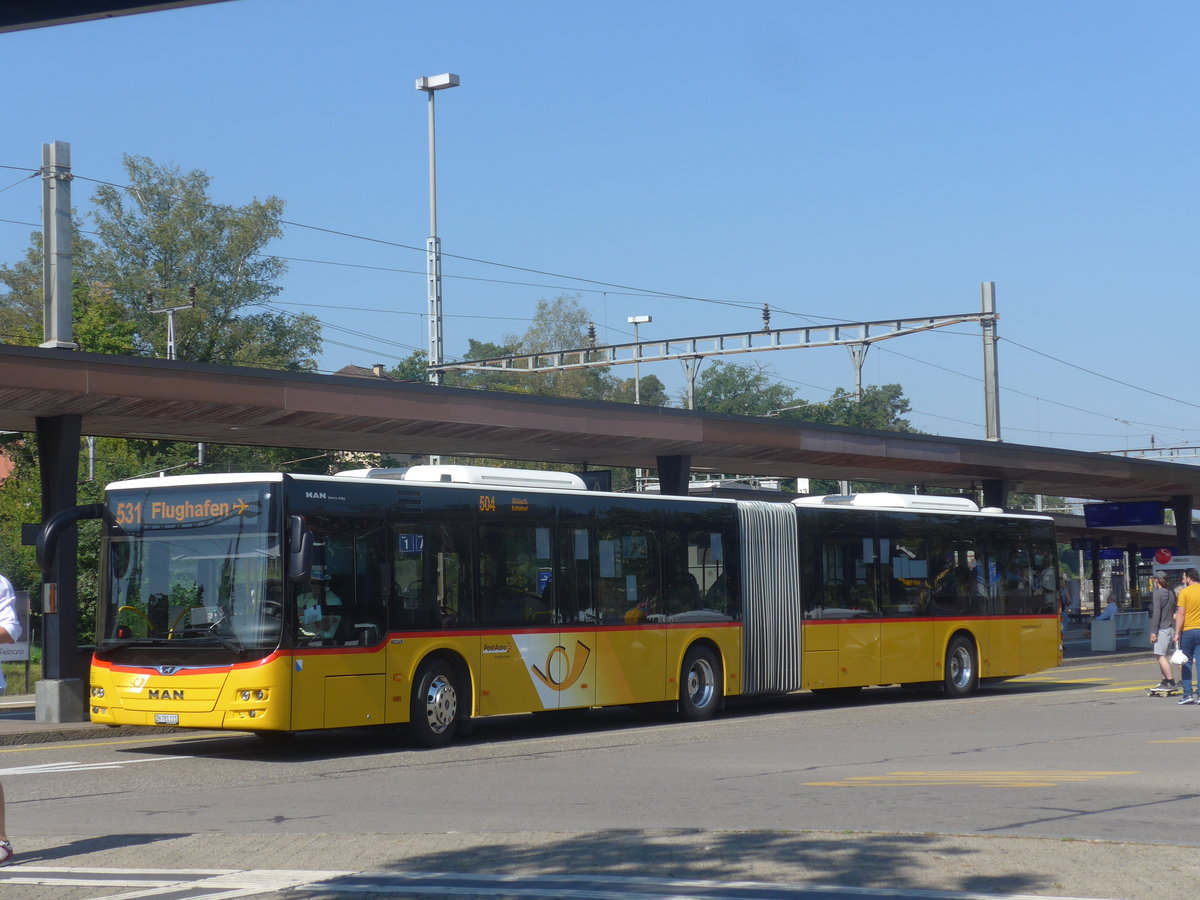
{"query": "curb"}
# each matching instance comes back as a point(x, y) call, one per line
point(50, 734)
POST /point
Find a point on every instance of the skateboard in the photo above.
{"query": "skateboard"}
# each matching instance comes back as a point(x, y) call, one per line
point(1163, 692)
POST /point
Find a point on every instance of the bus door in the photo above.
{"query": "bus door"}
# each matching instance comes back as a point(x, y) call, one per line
point(848, 581)
point(431, 608)
point(569, 672)
point(337, 624)
point(908, 570)
point(631, 628)
point(519, 653)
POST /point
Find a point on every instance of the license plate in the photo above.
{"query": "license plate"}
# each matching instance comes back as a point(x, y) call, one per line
point(166, 718)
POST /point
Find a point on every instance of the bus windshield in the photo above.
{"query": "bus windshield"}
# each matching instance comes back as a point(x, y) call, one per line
point(192, 576)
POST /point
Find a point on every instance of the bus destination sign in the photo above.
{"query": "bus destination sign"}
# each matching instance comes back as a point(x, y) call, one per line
point(175, 509)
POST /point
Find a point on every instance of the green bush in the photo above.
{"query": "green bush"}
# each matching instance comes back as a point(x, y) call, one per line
point(14, 675)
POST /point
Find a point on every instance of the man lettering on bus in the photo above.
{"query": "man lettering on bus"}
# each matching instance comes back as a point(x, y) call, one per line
point(1187, 632)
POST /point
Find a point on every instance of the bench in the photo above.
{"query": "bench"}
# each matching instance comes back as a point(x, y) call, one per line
point(1133, 622)
point(1105, 631)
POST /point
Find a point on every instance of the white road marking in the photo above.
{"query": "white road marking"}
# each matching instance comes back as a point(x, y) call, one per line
point(53, 768)
point(179, 884)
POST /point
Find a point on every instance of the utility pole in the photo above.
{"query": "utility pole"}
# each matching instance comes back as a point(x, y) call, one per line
point(991, 382)
point(56, 246)
point(170, 311)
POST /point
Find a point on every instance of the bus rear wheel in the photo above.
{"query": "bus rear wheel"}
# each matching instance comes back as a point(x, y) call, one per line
point(434, 712)
point(962, 669)
point(699, 684)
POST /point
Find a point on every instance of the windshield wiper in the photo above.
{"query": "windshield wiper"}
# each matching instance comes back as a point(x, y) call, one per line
point(231, 642)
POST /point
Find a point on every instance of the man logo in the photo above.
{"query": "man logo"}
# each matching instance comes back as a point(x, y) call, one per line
point(164, 695)
point(558, 677)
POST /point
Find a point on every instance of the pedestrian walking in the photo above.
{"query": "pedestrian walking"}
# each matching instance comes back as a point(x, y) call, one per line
point(1162, 629)
point(10, 632)
point(1187, 632)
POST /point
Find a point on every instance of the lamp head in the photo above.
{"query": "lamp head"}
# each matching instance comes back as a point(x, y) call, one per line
point(437, 82)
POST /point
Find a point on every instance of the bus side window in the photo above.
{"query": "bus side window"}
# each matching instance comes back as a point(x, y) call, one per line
point(516, 574)
point(904, 569)
point(630, 591)
point(846, 566)
point(429, 571)
point(575, 595)
point(694, 564)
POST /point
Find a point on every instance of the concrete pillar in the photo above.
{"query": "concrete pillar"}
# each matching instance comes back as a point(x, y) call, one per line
point(60, 697)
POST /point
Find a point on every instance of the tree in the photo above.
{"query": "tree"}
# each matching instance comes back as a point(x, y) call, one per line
point(652, 391)
point(412, 367)
point(163, 238)
point(167, 237)
point(741, 391)
point(881, 408)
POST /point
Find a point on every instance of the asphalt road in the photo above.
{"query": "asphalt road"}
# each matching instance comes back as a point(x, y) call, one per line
point(1070, 783)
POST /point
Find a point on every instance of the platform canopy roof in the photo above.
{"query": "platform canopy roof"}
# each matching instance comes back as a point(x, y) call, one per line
point(148, 398)
point(18, 15)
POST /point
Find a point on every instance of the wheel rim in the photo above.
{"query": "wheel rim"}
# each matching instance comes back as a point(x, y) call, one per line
point(441, 704)
point(701, 683)
point(961, 671)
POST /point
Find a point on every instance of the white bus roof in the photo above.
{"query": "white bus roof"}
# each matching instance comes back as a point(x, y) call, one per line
point(912, 503)
point(883, 500)
point(202, 479)
point(477, 475)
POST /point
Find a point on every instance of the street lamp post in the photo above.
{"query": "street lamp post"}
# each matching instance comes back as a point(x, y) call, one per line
point(431, 84)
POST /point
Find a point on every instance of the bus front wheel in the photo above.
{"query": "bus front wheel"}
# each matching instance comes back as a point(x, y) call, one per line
point(434, 713)
point(699, 684)
point(962, 669)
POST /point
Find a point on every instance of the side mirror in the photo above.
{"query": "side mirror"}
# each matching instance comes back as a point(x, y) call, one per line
point(299, 550)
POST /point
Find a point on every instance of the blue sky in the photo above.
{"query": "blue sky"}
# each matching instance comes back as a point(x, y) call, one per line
point(851, 160)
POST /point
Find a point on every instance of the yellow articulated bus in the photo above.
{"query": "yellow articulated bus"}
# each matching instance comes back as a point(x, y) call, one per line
point(279, 603)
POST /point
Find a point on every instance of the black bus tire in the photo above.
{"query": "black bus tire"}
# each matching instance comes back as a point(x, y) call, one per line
point(962, 668)
point(700, 691)
point(434, 711)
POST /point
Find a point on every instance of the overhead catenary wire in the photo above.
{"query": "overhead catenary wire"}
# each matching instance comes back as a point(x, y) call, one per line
point(603, 286)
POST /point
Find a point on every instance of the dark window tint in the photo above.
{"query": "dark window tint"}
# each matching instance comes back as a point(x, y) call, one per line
point(431, 573)
point(959, 577)
point(516, 574)
point(838, 564)
point(696, 569)
point(904, 564)
point(627, 551)
point(344, 601)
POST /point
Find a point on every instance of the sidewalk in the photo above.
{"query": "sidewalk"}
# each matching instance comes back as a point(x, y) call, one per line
point(18, 725)
point(1077, 646)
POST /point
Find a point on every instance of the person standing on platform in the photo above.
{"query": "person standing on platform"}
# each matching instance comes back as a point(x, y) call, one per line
point(10, 632)
point(1162, 628)
point(1187, 632)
